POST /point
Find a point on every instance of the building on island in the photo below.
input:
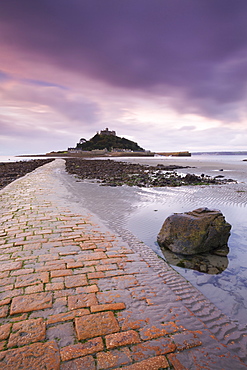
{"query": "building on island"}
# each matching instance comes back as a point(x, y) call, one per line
point(107, 132)
point(106, 141)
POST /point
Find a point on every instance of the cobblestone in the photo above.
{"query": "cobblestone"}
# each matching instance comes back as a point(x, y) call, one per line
point(82, 300)
point(114, 358)
point(75, 281)
point(4, 311)
point(30, 302)
point(31, 279)
point(26, 332)
point(10, 266)
point(98, 324)
point(85, 363)
point(75, 296)
point(122, 339)
point(4, 331)
point(34, 356)
point(81, 349)
point(154, 363)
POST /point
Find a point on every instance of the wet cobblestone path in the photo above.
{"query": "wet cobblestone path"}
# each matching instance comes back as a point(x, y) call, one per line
point(75, 296)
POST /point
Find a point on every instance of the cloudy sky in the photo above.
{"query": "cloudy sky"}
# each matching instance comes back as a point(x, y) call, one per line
point(168, 74)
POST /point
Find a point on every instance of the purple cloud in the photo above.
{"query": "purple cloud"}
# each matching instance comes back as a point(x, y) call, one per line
point(192, 52)
point(72, 106)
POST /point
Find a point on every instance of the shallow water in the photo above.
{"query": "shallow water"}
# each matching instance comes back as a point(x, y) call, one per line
point(228, 289)
point(12, 158)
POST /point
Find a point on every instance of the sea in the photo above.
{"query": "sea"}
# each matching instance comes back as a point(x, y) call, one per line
point(12, 158)
point(142, 211)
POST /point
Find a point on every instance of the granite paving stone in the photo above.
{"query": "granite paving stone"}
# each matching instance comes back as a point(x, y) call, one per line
point(82, 300)
point(31, 279)
point(30, 302)
point(34, 288)
point(113, 358)
point(76, 296)
point(98, 324)
point(4, 311)
point(43, 356)
point(66, 316)
point(26, 332)
point(75, 281)
point(9, 266)
point(154, 363)
point(122, 339)
point(19, 317)
point(54, 286)
point(106, 307)
point(81, 349)
point(85, 363)
point(6, 288)
point(5, 301)
point(83, 270)
point(87, 289)
point(24, 271)
point(4, 331)
point(11, 293)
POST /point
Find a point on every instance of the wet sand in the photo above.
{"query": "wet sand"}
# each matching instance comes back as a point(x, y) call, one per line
point(235, 168)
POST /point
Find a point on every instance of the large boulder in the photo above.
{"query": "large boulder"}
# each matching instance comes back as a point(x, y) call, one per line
point(202, 230)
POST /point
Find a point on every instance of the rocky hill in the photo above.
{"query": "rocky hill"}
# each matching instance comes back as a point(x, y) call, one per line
point(109, 142)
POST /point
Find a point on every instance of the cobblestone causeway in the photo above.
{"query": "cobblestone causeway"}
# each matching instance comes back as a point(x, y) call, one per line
point(73, 295)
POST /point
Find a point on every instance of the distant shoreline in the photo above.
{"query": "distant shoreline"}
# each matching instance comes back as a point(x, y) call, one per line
point(113, 154)
point(92, 154)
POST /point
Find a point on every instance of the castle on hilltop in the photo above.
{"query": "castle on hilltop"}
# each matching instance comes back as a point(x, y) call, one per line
point(107, 132)
point(83, 141)
point(106, 141)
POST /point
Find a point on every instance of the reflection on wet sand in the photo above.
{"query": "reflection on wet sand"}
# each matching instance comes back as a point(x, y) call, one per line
point(207, 262)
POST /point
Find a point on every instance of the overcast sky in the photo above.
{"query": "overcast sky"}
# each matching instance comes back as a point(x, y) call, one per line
point(168, 74)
